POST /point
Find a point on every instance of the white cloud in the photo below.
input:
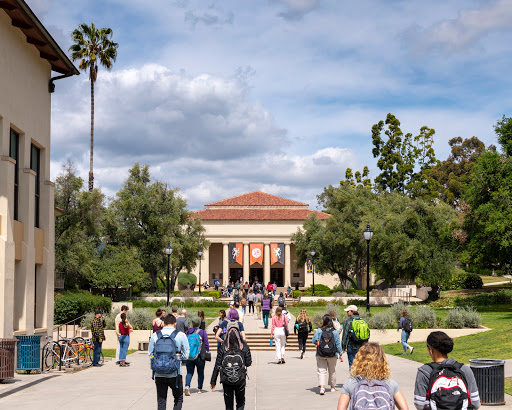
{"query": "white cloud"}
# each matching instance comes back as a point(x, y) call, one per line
point(296, 9)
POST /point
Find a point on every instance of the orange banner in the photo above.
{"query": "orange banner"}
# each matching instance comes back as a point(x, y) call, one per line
point(276, 253)
point(256, 251)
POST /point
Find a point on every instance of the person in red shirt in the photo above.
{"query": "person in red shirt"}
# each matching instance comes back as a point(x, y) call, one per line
point(124, 339)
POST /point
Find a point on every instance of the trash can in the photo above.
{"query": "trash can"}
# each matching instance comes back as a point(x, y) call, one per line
point(490, 379)
point(28, 355)
point(7, 347)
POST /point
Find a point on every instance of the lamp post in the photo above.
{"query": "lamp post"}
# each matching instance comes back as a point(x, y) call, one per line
point(199, 253)
point(312, 253)
point(168, 251)
point(368, 233)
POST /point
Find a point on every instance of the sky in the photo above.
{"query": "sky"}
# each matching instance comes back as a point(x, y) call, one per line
point(224, 97)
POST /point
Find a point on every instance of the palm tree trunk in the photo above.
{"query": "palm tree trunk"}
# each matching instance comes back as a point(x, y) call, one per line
point(91, 175)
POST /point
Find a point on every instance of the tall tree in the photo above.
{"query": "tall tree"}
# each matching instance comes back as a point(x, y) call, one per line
point(503, 129)
point(93, 47)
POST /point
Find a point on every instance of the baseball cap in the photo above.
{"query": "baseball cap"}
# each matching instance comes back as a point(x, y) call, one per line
point(353, 308)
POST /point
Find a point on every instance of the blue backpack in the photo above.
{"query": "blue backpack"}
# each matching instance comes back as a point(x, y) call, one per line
point(164, 360)
point(195, 342)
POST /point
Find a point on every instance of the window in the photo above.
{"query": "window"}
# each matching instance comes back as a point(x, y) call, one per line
point(35, 154)
point(14, 153)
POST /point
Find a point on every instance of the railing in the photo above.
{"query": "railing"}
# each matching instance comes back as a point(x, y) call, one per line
point(403, 294)
point(67, 324)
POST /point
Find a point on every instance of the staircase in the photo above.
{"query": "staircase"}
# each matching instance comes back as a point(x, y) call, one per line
point(261, 341)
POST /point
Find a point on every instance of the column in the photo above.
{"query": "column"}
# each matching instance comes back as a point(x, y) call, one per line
point(225, 262)
point(287, 265)
point(205, 267)
point(246, 262)
point(266, 263)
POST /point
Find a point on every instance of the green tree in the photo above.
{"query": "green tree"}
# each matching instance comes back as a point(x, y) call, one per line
point(358, 179)
point(147, 215)
point(77, 228)
point(93, 47)
point(503, 129)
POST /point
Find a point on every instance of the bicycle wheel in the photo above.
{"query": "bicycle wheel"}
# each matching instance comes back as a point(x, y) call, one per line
point(79, 346)
point(51, 357)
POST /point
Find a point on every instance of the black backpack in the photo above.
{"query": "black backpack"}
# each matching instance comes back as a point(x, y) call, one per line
point(407, 324)
point(326, 345)
point(232, 368)
point(447, 387)
point(303, 327)
point(281, 301)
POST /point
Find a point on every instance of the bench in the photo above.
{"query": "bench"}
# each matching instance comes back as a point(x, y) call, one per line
point(143, 346)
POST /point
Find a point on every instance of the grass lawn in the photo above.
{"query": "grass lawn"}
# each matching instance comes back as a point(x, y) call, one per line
point(494, 344)
point(508, 385)
point(493, 279)
point(112, 352)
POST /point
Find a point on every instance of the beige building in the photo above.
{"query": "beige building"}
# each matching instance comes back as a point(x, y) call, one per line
point(28, 55)
point(250, 237)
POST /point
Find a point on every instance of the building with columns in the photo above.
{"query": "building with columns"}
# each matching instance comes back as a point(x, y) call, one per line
point(28, 56)
point(250, 237)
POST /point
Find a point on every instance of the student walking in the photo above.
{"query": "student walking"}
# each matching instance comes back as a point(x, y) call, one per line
point(233, 320)
point(328, 349)
point(369, 384)
point(222, 318)
point(266, 307)
point(302, 328)
point(257, 302)
point(124, 339)
point(274, 288)
point(432, 379)
point(196, 338)
point(250, 301)
point(350, 342)
point(279, 332)
point(166, 348)
point(200, 314)
point(233, 358)
point(406, 325)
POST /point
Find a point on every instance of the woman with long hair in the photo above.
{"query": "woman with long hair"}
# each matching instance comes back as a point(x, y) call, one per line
point(328, 349)
point(158, 321)
point(406, 332)
point(198, 363)
point(200, 313)
point(278, 332)
point(439, 344)
point(233, 382)
point(302, 328)
point(222, 318)
point(370, 368)
point(124, 339)
point(266, 307)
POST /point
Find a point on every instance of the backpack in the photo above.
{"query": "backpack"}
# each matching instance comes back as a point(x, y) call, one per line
point(281, 300)
point(164, 360)
point(447, 387)
point(232, 368)
point(407, 324)
point(195, 343)
point(244, 302)
point(303, 327)
point(326, 346)
point(374, 394)
point(232, 324)
point(360, 331)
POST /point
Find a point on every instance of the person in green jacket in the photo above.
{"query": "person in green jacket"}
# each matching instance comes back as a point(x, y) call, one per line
point(349, 345)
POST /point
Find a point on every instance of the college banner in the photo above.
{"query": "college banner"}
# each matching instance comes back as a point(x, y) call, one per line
point(276, 253)
point(256, 251)
point(236, 253)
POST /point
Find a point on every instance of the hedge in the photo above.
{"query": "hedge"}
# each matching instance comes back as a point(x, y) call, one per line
point(466, 280)
point(501, 297)
point(70, 305)
point(187, 303)
point(185, 278)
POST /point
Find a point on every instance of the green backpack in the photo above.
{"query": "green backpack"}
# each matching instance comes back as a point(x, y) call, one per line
point(360, 331)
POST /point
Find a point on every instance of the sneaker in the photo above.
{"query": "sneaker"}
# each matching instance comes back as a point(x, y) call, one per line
point(412, 349)
point(302, 355)
point(322, 391)
point(404, 353)
point(202, 391)
point(282, 361)
point(333, 389)
point(97, 365)
point(187, 391)
point(279, 361)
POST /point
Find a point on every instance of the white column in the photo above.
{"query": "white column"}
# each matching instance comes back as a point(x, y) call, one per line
point(287, 265)
point(266, 264)
point(205, 266)
point(246, 262)
point(225, 262)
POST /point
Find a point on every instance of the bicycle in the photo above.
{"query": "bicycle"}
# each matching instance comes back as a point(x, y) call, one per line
point(61, 353)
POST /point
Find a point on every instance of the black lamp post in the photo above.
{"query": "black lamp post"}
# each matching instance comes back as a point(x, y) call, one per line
point(368, 233)
point(168, 251)
point(199, 253)
point(312, 253)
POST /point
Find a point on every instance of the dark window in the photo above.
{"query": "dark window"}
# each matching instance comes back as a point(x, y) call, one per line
point(35, 155)
point(14, 153)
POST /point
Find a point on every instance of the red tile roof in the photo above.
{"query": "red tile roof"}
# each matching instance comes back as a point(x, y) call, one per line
point(257, 214)
point(256, 198)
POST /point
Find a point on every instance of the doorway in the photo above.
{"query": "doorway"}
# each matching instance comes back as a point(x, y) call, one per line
point(277, 275)
point(235, 274)
point(256, 273)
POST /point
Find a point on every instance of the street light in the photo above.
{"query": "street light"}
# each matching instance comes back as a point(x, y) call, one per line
point(199, 253)
point(312, 253)
point(168, 251)
point(368, 233)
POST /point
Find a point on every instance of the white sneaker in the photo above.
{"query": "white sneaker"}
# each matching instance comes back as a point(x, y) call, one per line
point(322, 391)
point(187, 391)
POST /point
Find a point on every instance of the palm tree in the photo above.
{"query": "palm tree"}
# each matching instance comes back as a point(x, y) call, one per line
point(92, 46)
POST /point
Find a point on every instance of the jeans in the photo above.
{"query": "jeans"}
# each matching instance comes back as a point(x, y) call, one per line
point(351, 353)
point(265, 317)
point(302, 338)
point(258, 310)
point(251, 306)
point(230, 392)
point(405, 338)
point(243, 310)
point(176, 385)
point(97, 351)
point(190, 372)
point(124, 342)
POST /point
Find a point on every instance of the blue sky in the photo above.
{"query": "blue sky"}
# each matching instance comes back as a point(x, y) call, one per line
point(227, 96)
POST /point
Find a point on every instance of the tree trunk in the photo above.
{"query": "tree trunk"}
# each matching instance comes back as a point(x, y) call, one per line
point(153, 276)
point(359, 274)
point(91, 175)
point(344, 277)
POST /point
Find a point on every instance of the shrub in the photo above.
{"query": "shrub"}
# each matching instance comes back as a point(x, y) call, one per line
point(423, 316)
point(187, 303)
point(357, 302)
point(466, 280)
point(382, 320)
point(462, 317)
point(185, 278)
point(319, 287)
point(499, 272)
point(397, 309)
point(317, 319)
point(501, 297)
point(70, 305)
